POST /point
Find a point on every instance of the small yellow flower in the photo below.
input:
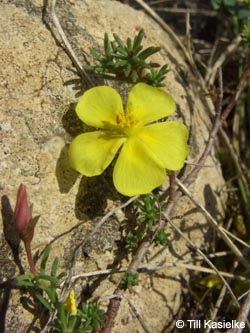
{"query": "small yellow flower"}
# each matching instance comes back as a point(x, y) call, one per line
point(70, 303)
point(147, 149)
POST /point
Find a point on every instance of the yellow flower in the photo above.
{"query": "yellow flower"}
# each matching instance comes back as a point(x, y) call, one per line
point(70, 303)
point(147, 148)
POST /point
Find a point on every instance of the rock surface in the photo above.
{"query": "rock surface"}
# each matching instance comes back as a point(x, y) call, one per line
point(38, 92)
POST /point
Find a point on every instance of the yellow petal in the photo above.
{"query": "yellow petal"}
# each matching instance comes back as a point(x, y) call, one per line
point(70, 303)
point(147, 103)
point(91, 153)
point(135, 172)
point(166, 141)
point(99, 106)
point(212, 280)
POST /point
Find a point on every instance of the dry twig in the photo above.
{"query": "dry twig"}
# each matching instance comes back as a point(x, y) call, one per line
point(153, 268)
point(218, 228)
point(212, 70)
point(205, 258)
point(166, 27)
point(86, 78)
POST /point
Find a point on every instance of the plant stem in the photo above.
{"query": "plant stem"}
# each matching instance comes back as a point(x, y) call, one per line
point(30, 258)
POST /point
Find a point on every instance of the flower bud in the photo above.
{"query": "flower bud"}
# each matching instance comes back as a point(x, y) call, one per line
point(23, 216)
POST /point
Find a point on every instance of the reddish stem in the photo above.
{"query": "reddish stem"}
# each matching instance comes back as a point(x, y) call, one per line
point(30, 258)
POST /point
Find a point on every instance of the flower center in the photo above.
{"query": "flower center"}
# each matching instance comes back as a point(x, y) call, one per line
point(126, 122)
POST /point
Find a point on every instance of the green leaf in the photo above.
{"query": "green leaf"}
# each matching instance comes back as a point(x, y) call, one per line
point(54, 267)
point(134, 76)
point(113, 45)
point(122, 51)
point(119, 56)
point(51, 292)
point(243, 14)
point(61, 312)
point(92, 314)
point(72, 322)
point(89, 67)
point(129, 44)
point(61, 275)
point(45, 259)
point(148, 52)
point(137, 41)
point(24, 277)
point(95, 54)
point(127, 70)
point(44, 288)
point(163, 70)
point(35, 220)
point(46, 277)
point(119, 41)
point(246, 32)
point(42, 300)
point(125, 61)
point(216, 4)
point(107, 45)
point(161, 237)
point(129, 280)
point(26, 284)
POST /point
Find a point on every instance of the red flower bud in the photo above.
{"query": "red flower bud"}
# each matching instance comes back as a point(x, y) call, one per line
point(23, 216)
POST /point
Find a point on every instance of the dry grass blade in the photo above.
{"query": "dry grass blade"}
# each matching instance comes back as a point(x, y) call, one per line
point(153, 268)
point(236, 238)
point(212, 70)
point(205, 258)
point(215, 225)
point(205, 12)
point(217, 306)
point(166, 27)
point(193, 268)
point(220, 300)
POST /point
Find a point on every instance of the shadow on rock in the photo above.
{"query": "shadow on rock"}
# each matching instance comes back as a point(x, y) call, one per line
point(66, 176)
point(93, 194)
point(10, 232)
